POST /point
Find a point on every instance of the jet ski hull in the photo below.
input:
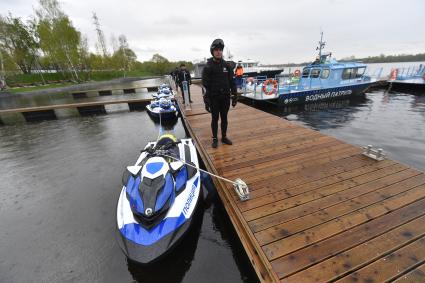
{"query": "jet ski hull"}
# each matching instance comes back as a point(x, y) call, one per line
point(146, 244)
point(165, 113)
point(156, 251)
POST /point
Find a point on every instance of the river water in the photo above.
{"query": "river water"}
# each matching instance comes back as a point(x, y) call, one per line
point(60, 182)
point(59, 186)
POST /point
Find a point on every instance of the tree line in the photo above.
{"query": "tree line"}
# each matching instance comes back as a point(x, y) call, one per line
point(48, 45)
point(389, 58)
point(420, 57)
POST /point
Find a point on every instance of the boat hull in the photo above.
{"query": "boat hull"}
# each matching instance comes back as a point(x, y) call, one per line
point(341, 92)
point(410, 87)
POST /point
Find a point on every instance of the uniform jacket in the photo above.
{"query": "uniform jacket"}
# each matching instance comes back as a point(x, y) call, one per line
point(217, 78)
point(184, 75)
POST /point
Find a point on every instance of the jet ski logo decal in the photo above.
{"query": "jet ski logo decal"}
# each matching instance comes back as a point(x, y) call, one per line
point(190, 198)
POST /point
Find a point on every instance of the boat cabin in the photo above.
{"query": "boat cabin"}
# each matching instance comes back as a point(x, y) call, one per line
point(327, 72)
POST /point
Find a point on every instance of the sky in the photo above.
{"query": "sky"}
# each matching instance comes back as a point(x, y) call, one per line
point(271, 32)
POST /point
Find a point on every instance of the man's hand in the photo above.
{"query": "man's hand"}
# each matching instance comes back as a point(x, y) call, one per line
point(207, 103)
point(234, 100)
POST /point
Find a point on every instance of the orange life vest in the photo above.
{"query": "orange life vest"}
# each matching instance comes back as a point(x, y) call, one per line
point(239, 72)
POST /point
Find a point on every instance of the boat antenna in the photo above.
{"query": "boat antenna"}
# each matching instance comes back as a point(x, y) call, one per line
point(321, 45)
point(160, 132)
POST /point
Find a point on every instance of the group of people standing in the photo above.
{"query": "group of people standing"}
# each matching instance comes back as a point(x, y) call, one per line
point(220, 88)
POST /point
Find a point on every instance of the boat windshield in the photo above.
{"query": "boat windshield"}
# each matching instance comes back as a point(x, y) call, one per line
point(352, 73)
point(306, 72)
point(315, 73)
point(325, 73)
point(360, 72)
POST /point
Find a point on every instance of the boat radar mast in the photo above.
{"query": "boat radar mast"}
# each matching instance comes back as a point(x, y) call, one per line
point(321, 45)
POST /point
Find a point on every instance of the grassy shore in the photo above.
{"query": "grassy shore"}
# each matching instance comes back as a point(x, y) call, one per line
point(39, 87)
point(30, 82)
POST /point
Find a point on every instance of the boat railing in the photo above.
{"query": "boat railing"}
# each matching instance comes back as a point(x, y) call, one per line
point(410, 72)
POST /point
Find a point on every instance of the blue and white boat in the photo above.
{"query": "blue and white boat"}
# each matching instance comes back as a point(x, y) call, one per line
point(410, 79)
point(159, 199)
point(324, 79)
point(163, 108)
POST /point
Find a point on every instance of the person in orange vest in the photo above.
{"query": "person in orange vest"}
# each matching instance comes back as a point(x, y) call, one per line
point(238, 76)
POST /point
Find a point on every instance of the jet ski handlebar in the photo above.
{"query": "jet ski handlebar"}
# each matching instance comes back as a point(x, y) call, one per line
point(160, 150)
point(239, 185)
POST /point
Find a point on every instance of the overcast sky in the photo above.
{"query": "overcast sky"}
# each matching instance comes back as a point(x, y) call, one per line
point(267, 31)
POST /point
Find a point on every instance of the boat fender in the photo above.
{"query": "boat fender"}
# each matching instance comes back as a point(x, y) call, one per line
point(266, 88)
point(393, 74)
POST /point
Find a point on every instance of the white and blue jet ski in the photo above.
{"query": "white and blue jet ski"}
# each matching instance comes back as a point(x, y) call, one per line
point(158, 199)
point(164, 107)
point(164, 91)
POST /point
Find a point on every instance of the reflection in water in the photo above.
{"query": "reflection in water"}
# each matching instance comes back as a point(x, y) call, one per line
point(319, 115)
point(167, 124)
point(223, 225)
point(332, 114)
point(174, 265)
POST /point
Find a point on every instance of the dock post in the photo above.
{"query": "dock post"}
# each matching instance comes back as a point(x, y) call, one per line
point(186, 96)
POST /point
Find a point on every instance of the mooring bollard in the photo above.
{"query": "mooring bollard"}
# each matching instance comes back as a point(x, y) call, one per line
point(186, 96)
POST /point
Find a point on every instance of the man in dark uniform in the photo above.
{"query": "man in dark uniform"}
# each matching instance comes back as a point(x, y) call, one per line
point(184, 75)
point(217, 79)
point(174, 76)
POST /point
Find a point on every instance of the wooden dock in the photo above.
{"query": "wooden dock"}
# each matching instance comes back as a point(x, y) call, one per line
point(72, 105)
point(91, 107)
point(319, 210)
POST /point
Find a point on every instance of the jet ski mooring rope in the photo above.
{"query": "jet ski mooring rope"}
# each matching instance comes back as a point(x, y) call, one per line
point(241, 188)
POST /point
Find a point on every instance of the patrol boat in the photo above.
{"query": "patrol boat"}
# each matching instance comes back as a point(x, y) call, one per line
point(159, 198)
point(324, 79)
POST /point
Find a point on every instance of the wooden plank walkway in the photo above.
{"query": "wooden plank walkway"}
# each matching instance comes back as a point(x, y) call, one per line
point(72, 105)
point(319, 210)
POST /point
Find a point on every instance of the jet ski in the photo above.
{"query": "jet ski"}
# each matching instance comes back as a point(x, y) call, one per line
point(164, 107)
point(158, 199)
point(164, 91)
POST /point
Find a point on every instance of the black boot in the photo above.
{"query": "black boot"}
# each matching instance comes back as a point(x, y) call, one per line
point(225, 140)
point(214, 143)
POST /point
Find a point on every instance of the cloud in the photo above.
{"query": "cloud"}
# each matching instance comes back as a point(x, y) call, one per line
point(276, 32)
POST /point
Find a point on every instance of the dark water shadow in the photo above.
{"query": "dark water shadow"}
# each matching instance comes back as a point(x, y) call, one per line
point(167, 124)
point(223, 224)
point(175, 264)
point(318, 115)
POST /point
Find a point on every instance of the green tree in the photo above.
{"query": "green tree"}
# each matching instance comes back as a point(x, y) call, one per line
point(17, 40)
point(124, 58)
point(59, 39)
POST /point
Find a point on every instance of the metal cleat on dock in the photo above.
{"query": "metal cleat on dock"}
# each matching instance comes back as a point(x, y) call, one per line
point(374, 153)
point(241, 189)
